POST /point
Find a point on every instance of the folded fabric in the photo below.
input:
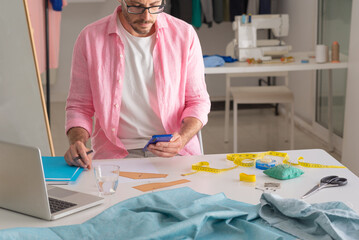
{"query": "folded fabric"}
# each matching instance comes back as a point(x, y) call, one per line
point(213, 61)
point(172, 214)
point(225, 58)
point(217, 60)
point(330, 220)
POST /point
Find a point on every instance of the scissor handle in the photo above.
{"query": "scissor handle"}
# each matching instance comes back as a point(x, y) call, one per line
point(334, 180)
point(328, 179)
point(339, 181)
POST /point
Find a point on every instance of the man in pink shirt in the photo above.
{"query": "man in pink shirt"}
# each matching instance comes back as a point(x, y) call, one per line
point(137, 73)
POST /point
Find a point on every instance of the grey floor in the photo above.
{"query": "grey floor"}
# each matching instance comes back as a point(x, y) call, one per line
point(258, 130)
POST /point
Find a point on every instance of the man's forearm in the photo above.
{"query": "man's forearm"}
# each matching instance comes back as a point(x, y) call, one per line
point(189, 127)
point(77, 134)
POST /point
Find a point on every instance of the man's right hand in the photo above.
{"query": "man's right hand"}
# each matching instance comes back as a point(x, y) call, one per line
point(76, 154)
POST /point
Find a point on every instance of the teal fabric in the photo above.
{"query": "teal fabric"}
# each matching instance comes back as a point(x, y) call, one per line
point(196, 13)
point(172, 214)
point(283, 172)
point(321, 221)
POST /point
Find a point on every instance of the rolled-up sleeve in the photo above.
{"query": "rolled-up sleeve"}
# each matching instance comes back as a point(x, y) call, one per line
point(197, 102)
point(79, 105)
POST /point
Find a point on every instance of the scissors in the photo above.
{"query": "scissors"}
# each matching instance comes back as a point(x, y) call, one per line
point(329, 181)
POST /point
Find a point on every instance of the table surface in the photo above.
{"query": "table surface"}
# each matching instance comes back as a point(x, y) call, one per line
point(244, 67)
point(208, 183)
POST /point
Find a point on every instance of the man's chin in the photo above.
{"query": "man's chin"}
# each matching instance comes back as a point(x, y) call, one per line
point(142, 31)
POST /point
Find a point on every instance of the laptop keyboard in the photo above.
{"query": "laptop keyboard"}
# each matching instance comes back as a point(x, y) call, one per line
point(58, 205)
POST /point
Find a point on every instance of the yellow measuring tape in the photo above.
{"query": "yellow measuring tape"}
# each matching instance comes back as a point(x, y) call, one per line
point(249, 160)
point(239, 159)
point(310, 165)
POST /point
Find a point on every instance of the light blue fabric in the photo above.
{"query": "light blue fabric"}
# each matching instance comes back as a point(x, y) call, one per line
point(217, 60)
point(213, 61)
point(172, 214)
point(321, 221)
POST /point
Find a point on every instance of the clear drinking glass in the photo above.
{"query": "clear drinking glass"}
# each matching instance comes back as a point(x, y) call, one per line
point(107, 178)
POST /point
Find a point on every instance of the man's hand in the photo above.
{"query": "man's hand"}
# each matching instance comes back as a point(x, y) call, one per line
point(76, 154)
point(190, 126)
point(167, 149)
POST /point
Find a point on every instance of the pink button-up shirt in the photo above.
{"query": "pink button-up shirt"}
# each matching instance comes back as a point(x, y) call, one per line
point(98, 73)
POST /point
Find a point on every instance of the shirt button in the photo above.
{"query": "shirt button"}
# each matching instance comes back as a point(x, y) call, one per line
point(119, 80)
point(113, 129)
point(121, 56)
point(116, 105)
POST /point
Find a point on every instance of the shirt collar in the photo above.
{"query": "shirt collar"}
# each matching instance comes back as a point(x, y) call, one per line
point(112, 27)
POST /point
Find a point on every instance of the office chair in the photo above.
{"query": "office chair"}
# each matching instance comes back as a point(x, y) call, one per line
point(199, 135)
point(256, 95)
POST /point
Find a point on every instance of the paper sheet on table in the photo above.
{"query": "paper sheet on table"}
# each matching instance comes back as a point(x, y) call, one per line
point(131, 165)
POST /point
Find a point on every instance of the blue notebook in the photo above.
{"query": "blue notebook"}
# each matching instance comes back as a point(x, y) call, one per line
point(57, 171)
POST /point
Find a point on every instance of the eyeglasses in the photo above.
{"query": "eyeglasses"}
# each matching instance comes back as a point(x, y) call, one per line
point(140, 10)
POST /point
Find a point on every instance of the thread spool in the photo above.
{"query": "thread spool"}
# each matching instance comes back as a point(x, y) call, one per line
point(335, 52)
point(321, 54)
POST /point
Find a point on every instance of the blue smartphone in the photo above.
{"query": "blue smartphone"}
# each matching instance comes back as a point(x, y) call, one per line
point(158, 138)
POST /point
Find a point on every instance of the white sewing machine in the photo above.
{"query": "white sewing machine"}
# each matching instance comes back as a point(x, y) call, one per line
point(247, 45)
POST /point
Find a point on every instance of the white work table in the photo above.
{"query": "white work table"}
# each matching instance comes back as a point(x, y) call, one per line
point(244, 67)
point(208, 183)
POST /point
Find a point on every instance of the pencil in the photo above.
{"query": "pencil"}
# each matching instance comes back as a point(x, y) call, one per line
point(78, 157)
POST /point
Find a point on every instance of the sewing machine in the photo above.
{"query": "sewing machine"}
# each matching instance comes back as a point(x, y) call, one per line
point(247, 45)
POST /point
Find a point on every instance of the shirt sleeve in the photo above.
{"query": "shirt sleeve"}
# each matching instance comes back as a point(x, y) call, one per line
point(79, 105)
point(197, 103)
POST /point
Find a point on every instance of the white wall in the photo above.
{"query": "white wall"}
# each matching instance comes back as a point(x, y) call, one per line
point(351, 119)
point(302, 37)
point(214, 41)
point(75, 17)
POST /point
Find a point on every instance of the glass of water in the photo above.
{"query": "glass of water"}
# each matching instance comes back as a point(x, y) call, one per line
point(107, 178)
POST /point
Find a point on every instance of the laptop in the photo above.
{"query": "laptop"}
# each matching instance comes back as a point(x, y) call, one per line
point(23, 188)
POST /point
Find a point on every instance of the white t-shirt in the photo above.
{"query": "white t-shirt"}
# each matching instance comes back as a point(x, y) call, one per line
point(139, 117)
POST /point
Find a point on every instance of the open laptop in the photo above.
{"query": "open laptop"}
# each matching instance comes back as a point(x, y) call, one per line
point(23, 188)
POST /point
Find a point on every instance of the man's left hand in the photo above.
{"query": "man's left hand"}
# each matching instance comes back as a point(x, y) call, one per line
point(168, 149)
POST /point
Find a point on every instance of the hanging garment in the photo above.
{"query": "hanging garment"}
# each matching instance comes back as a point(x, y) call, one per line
point(237, 7)
point(226, 14)
point(168, 7)
point(196, 13)
point(182, 9)
point(207, 10)
point(218, 11)
point(56, 5)
point(265, 7)
point(253, 7)
point(37, 21)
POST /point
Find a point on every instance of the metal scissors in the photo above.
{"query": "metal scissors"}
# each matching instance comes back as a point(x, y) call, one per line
point(329, 181)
